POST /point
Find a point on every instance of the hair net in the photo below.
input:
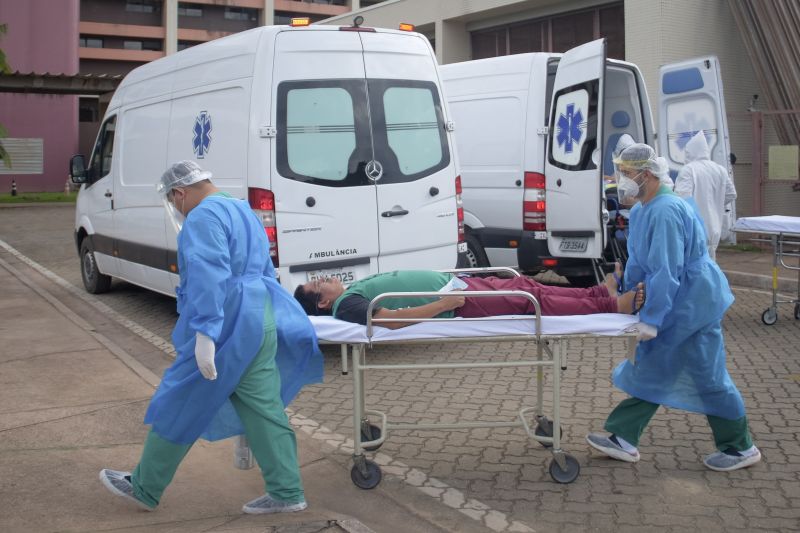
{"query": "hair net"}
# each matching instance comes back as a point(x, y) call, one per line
point(181, 174)
point(624, 141)
point(640, 157)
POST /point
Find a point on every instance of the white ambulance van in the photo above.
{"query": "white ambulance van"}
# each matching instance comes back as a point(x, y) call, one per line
point(338, 137)
point(535, 133)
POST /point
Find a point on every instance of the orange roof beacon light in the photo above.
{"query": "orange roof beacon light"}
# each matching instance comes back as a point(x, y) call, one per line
point(405, 26)
point(299, 22)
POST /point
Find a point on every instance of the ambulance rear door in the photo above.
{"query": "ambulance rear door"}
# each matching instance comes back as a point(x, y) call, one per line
point(575, 197)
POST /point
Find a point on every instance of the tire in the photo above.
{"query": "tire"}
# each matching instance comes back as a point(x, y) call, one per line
point(770, 316)
point(565, 476)
point(476, 256)
point(797, 311)
point(372, 478)
point(94, 281)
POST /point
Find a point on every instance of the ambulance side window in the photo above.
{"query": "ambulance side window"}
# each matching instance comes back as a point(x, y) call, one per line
point(100, 165)
point(323, 134)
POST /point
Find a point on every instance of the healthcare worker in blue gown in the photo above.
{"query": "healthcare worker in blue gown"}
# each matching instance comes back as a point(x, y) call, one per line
point(680, 357)
point(244, 349)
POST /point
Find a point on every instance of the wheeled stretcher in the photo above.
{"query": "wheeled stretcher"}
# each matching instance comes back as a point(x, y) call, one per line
point(783, 233)
point(545, 341)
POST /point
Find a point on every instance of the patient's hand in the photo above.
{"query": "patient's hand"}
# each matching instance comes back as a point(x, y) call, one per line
point(452, 302)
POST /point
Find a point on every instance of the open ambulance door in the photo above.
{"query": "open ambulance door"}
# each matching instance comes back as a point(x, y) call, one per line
point(575, 197)
point(691, 99)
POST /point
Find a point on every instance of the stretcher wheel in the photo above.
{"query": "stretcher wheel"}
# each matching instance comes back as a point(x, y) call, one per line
point(797, 311)
point(770, 316)
point(371, 480)
point(544, 428)
point(565, 476)
point(370, 432)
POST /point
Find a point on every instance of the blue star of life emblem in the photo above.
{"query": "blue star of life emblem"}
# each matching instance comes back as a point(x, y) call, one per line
point(202, 134)
point(570, 128)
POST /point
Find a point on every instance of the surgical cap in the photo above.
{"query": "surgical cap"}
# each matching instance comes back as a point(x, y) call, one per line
point(642, 157)
point(181, 174)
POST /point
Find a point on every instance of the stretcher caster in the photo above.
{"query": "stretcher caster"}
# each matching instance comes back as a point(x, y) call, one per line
point(365, 474)
point(797, 311)
point(770, 316)
point(573, 468)
point(370, 432)
point(544, 428)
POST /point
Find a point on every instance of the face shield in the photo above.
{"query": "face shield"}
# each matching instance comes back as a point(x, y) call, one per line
point(179, 175)
point(629, 172)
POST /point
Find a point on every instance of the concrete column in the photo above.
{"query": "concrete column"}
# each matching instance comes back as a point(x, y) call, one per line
point(268, 13)
point(170, 26)
point(355, 4)
point(452, 42)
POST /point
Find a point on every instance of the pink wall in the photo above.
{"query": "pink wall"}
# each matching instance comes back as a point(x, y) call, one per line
point(42, 37)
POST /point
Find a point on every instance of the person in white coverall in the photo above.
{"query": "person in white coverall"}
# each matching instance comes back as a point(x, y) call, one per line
point(710, 185)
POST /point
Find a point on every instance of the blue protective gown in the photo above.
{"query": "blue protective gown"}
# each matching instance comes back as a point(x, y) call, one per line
point(226, 278)
point(686, 298)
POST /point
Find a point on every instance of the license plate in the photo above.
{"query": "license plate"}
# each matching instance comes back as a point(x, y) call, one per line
point(345, 275)
point(540, 235)
point(573, 245)
point(462, 247)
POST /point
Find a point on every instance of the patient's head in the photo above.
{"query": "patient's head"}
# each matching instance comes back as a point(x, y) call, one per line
point(317, 297)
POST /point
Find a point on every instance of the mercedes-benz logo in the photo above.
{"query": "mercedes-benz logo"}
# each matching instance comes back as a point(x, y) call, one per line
point(374, 170)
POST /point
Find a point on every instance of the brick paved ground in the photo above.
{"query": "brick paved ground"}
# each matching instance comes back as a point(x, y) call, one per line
point(669, 489)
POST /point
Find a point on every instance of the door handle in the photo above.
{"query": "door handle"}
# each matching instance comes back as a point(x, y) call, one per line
point(108, 194)
point(395, 213)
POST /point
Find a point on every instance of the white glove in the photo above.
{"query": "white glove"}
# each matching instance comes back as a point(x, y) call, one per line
point(204, 353)
point(645, 332)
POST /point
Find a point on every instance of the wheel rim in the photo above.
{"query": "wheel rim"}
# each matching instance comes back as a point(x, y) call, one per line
point(88, 266)
point(472, 259)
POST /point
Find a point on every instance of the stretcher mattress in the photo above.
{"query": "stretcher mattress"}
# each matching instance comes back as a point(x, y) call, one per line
point(333, 330)
point(769, 224)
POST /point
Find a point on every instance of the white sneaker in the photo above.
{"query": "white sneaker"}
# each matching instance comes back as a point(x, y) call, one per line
point(732, 459)
point(266, 504)
point(611, 448)
point(119, 483)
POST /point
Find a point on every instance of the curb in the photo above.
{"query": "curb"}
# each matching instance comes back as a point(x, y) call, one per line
point(37, 204)
point(760, 281)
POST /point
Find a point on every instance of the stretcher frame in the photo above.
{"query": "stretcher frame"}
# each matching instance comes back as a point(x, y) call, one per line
point(784, 244)
point(550, 352)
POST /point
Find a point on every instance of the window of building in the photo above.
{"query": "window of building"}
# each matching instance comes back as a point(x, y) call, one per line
point(240, 13)
point(90, 42)
point(189, 10)
point(142, 45)
point(557, 33)
point(142, 6)
point(88, 110)
point(183, 45)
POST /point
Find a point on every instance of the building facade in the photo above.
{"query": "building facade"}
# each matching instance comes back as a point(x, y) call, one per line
point(107, 37)
point(648, 33)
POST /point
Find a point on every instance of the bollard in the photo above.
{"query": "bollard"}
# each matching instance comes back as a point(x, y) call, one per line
point(242, 454)
point(13, 187)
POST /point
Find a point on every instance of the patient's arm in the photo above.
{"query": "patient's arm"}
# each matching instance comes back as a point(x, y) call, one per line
point(428, 310)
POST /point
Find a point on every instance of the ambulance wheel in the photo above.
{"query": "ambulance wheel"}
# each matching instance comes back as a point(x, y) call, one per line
point(370, 432)
point(476, 256)
point(371, 480)
point(770, 316)
point(544, 428)
point(93, 280)
point(565, 476)
point(797, 311)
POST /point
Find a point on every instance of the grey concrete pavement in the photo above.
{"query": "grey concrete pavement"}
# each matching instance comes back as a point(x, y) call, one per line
point(72, 402)
point(498, 477)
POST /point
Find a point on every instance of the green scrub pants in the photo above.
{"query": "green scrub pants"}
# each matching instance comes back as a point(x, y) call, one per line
point(258, 403)
point(631, 416)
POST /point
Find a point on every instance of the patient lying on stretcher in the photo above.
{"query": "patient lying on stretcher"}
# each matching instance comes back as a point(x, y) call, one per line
point(330, 297)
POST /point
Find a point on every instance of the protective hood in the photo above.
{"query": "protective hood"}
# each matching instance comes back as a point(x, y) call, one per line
point(697, 148)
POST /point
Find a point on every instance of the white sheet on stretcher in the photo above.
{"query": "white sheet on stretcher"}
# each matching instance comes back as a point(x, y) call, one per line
point(338, 331)
point(770, 224)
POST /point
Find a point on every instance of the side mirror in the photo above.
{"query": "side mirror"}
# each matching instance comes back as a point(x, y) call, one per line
point(77, 169)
